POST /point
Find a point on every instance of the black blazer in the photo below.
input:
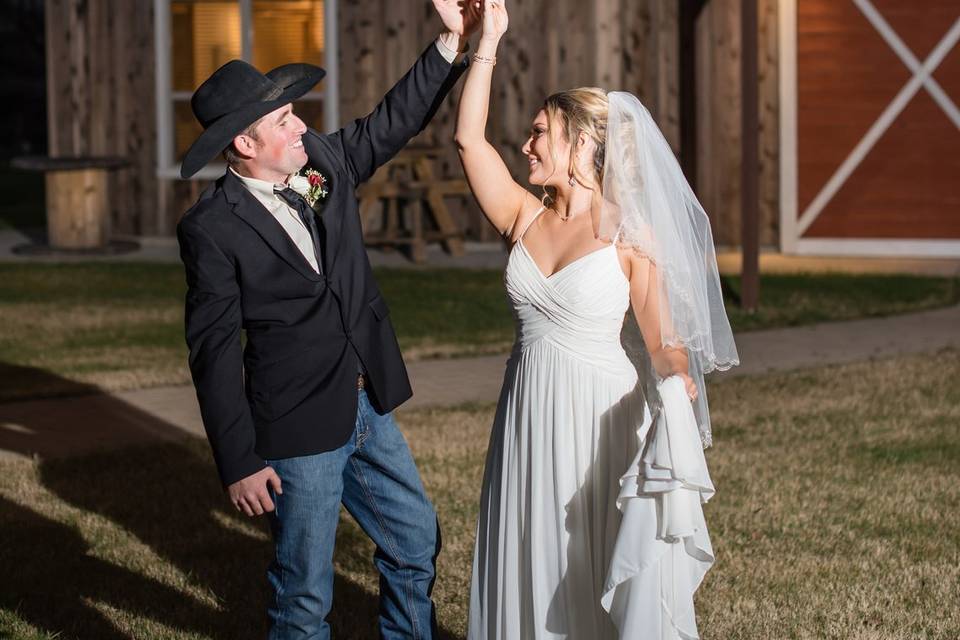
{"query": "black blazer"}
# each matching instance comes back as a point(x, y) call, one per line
point(292, 390)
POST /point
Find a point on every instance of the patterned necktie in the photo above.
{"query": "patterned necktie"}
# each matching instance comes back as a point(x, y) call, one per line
point(299, 204)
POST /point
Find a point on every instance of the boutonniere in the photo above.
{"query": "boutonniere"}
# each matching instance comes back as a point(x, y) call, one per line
point(318, 186)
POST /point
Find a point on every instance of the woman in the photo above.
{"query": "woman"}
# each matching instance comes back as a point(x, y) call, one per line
point(590, 523)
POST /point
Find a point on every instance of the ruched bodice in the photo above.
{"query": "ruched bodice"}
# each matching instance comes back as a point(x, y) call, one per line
point(579, 309)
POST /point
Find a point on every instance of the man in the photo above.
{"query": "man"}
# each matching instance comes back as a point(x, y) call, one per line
point(299, 419)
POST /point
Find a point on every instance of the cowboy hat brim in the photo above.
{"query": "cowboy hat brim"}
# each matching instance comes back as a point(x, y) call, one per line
point(296, 80)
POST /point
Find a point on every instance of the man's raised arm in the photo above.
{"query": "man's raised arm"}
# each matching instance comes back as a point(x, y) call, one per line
point(368, 142)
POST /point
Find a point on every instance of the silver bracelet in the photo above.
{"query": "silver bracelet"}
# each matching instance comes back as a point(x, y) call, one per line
point(484, 60)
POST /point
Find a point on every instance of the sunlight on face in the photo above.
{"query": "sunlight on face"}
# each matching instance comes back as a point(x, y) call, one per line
point(280, 151)
point(547, 152)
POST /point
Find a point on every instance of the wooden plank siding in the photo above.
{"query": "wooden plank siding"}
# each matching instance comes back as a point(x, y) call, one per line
point(769, 90)
point(102, 95)
point(616, 44)
point(718, 119)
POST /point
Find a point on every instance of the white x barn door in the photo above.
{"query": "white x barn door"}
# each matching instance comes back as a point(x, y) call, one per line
point(870, 127)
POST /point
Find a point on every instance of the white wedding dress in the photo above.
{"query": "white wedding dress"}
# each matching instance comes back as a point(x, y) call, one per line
point(585, 532)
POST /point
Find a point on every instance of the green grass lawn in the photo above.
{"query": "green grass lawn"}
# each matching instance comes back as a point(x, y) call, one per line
point(120, 326)
point(836, 517)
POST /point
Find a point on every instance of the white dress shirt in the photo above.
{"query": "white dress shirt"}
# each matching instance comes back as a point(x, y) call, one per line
point(448, 54)
point(286, 215)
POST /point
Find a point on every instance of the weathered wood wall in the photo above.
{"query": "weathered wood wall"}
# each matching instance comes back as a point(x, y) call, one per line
point(616, 44)
point(769, 65)
point(102, 100)
point(718, 119)
point(100, 97)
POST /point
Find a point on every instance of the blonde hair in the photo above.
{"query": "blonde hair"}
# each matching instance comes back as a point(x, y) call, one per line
point(581, 110)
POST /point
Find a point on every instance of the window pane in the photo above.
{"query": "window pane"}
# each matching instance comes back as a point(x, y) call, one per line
point(205, 35)
point(287, 31)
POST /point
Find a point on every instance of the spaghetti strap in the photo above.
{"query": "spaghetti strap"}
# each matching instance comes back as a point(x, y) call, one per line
point(529, 224)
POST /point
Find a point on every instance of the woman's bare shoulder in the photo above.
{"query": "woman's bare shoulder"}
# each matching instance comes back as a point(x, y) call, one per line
point(529, 210)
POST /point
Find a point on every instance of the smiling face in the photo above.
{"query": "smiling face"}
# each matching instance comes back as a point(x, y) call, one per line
point(547, 152)
point(277, 150)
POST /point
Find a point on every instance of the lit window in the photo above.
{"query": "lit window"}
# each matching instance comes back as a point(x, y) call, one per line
point(205, 34)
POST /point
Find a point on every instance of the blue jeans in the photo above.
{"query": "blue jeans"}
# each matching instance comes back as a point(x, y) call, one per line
point(375, 478)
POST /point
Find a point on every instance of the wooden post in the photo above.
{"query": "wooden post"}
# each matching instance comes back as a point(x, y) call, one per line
point(750, 171)
point(687, 26)
point(76, 209)
point(688, 89)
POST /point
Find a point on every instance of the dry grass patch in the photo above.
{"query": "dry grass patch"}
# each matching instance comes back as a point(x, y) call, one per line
point(836, 517)
point(837, 511)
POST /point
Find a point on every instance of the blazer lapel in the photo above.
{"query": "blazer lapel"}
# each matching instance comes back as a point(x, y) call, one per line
point(249, 209)
point(328, 211)
point(331, 225)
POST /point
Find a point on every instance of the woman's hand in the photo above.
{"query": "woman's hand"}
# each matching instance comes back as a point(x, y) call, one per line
point(495, 20)
point(689, 385)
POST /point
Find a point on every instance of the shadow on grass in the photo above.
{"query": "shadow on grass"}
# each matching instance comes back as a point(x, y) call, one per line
point(161, 489)
point(57, 582)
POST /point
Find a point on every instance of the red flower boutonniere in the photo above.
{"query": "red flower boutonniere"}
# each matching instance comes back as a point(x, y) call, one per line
point(318, 186)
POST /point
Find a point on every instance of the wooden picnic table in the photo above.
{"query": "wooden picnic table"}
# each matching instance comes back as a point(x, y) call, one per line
point(407, 191)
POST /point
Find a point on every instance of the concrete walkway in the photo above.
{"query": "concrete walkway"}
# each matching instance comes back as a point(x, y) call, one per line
point(164, 250)
point(491, 255)
point(72, 426)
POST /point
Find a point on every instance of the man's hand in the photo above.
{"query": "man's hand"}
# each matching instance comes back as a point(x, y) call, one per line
point(460, 19)
point(250, 494)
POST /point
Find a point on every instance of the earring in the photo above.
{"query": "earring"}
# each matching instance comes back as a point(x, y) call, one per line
point(572, 181)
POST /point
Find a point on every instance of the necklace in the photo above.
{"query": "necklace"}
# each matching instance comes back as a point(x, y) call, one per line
point(564, 218)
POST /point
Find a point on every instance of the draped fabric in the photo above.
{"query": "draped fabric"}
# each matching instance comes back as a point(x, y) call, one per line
point(649, 207)
point(555, 555)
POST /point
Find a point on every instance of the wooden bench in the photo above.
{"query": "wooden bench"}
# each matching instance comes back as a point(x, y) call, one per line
point(78, 203)
point(407, 185)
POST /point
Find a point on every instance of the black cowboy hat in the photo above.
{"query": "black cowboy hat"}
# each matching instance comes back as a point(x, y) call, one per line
point(236, 96)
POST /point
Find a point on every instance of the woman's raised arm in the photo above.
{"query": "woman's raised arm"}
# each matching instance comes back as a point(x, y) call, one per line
point(500, 197)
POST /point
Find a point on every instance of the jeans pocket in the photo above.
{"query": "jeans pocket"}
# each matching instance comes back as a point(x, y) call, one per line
point(362, 430)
